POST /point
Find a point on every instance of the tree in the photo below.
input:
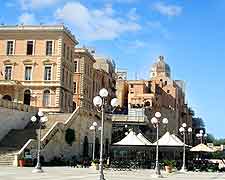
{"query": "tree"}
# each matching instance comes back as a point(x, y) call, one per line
point(198, 123)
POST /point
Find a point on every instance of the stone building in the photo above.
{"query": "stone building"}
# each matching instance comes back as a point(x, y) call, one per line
point(41, 67)
point(159, 93)
point(36, 64)
point(92, 73)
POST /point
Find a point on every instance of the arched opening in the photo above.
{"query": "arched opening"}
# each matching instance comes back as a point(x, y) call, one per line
point(46, 98)
point(7, 97)
point(74, 106)
point(107, 147)
point(97, 148)
point(85, 147)
point(26, 99)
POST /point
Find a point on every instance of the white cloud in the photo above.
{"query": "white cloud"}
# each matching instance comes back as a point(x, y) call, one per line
point(35, 4)
point(137, 44)
point(27, 18)
point(132, 14)
point(167, 9)
point(95, 24)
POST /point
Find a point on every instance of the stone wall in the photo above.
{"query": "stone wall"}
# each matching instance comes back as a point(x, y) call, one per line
point(13, 119)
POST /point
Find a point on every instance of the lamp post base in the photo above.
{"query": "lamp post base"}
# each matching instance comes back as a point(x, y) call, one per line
point(101, 177)
point(183, 169)
point(157, 176)
point(38, 169)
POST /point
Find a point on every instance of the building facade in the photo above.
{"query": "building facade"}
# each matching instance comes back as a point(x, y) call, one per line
point(92, 73)
point(159, 93)
point(37, 66)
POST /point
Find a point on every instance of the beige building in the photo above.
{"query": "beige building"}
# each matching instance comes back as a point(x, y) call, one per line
point(37, 67)
point(160, 93)
point(92, 73)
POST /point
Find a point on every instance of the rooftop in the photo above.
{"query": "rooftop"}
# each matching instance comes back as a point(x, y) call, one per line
point(22, 27)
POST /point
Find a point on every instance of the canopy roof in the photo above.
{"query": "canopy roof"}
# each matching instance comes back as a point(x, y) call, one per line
point(201, 148)
point(169, 140)
point(133, 140)
point(144, 139)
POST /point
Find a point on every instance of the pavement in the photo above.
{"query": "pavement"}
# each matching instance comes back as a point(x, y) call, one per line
point(67, 173)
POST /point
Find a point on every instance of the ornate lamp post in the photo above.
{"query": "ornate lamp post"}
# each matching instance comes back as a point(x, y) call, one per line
point(100, 103)
point(40, 119)
point(93, 128)
point(156, 122)
point(183, 132)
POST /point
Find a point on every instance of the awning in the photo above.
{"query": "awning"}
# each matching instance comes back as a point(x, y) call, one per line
point(201, 148)
point(133, 140)
point(144, 139)
point(169, 140)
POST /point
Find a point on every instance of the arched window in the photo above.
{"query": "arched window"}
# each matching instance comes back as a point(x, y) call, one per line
point(26, 99)
point(46, 98)
point(7, 97)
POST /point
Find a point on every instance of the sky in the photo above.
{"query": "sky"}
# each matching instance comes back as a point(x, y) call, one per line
point(189, 33)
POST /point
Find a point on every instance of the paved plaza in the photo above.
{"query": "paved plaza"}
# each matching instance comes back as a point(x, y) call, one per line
point(66, 173)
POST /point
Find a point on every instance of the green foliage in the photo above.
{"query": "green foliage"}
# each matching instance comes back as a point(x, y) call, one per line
point(198, 123)
point(95, 161)
point(70, 136)
point(171, 163)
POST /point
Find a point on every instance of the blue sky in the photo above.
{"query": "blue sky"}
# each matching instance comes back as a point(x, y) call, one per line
point(189, 33)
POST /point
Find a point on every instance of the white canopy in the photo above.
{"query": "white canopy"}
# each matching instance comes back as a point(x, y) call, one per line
point(132, 140)
point(144, 139)
point(201, 148)
point(169, 140)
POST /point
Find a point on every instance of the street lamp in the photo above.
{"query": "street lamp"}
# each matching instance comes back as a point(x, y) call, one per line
point(39, 119)
point(93, 128)
point(100, 103)
point(183, 132)
point(156, 121)
point(201, 135)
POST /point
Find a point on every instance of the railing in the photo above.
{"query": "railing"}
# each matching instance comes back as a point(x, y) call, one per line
point(127, 118)
point(49, 135)
point(17, 106)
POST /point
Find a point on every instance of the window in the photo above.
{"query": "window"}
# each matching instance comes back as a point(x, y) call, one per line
point(64, 50)
point(49, 47)
point(47, 73)
point(46, 98)
point(168, 91)
point(62, 75)
point(8, 72)
point(75, 87)
point(71, 55)
point(28, 71)
point(131, 86)
point(67, 52)
point(30, 47)
point(165, 83)
point(10, 47)
point(75, 66)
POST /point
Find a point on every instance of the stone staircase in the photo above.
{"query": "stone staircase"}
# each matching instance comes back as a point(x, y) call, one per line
point(17, 138)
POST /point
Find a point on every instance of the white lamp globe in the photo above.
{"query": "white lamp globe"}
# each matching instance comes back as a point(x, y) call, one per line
point(40, 113)
point(165, 121)
point(114, 102)
point(158, 114)
point(44, 119)
point(154, 120)
point(103, 92)
point(205, 135)
point(97, 101)
point(181, 129)
point(126, 133)
point(189, 129)
point(92, 128)
point(33, 119)
point(184, 125)
point(94, 124)
point(201, 131)
point(100, 128)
